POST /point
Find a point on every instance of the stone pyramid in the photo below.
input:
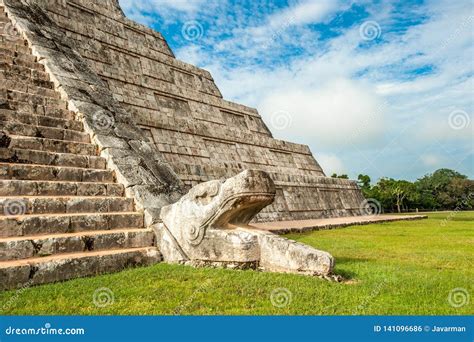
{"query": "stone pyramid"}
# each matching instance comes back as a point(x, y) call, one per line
point(101, 126)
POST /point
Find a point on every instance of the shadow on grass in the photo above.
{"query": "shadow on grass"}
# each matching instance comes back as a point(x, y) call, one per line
point(459, 219)
point(342, 261)
point(345, 260)
point(345, 275)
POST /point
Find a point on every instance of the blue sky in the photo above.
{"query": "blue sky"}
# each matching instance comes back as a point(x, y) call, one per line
point(383, 88)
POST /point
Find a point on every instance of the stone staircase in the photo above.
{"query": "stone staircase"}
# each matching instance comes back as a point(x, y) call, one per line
point(62, 215)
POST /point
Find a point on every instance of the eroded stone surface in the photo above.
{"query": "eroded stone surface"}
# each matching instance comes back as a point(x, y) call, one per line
point(53, 269)
point(207, 227)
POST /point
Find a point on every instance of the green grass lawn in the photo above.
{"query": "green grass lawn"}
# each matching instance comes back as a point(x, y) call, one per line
point(392, 268)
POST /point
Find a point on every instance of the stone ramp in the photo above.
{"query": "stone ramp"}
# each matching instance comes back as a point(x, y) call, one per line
point(62, 213)
point(285, 227)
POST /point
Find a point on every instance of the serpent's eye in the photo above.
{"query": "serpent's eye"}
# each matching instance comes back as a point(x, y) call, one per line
point(213, 190)
point(207, 192)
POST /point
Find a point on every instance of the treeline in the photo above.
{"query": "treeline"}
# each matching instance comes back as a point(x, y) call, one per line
point(444, 189)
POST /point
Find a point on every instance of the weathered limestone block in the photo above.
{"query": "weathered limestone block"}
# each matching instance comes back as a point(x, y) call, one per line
point(109, 141)
point(68, 268)
point(282, 255)
point(16, 250)
point(208, 226)
point(14, 277)
point(148, 196)
point(58, 245)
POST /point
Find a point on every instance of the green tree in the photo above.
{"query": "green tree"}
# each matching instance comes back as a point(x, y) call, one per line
point(461, 192)
point(404, 193)
point(364, 183)
point(444, 189)
point(382, 192)
point(395, 194)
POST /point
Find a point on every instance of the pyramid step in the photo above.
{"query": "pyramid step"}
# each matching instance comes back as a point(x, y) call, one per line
point(8, 31)
point(53, 188)
point(67, 266)
point(21, 72)
point(41, 120)
point(25, 225)
point(23, 107)
point(43, 246)
point(27, 62)
point(12, 171)
point(18, 96)
point(24, 56)
point(52, 145)
point(20, 156)
point(22, 75)
point(28, 87)
point(54, 112)
point(18, 129)
point(61, 215)
point(14, 43)
point(35, 205)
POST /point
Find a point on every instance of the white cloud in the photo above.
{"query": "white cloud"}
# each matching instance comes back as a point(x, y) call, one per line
point(331, 164)
point(146, 12)
point(304, 12)
point(431, 160)
point(161, 5)
point(336, 113)
point(458, 128)
point(191, 54)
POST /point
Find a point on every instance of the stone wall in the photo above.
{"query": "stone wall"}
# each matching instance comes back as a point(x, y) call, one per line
point(182, 114)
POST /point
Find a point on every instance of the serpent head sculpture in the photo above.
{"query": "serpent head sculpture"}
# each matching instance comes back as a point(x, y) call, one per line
point(209, 226)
